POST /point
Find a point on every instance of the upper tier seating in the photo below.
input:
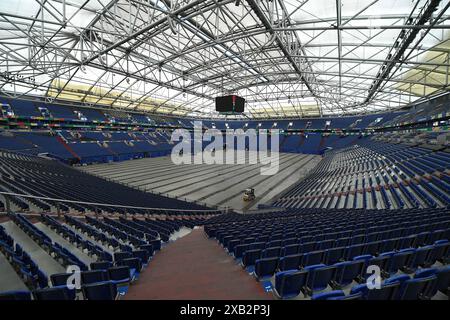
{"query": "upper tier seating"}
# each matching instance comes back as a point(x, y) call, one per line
point(88, 146)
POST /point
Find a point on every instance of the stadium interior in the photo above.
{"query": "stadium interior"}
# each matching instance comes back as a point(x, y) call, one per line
point(348, 99)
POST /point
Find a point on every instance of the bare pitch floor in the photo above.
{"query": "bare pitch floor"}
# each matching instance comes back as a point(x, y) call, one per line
point(213, 184)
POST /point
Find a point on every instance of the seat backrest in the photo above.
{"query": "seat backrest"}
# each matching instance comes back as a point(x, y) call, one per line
point(290, 262)
point(141, 254)
point(55, 293)
point(414, 289)
point(319, 277)
point(100, 291)
point(307, 247)
point(438, 252)
point(122, 255)
point(312, 258)
point(257, 245)
point(355, 296)
point(443, 279)
point(149, 248)
point(134, 263)
point(240, 249)
point(59, 279)
point(101, 265)
point(333, 255)
point(271, 252)
point(266, 266)
point(353, 251)
point(372, 247)
point(420, 256)
point(15, 295)
point(399, 260)
point(290, 249)
point(250, 256)
point(347, 271)
point(386, 292)
point(290, 283)
point(93, 276)
point(119, 273)
point(380, 261)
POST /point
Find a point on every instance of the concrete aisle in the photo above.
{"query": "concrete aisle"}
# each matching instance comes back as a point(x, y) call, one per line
point(9, 279)
point(196, 268)
point(45, 262)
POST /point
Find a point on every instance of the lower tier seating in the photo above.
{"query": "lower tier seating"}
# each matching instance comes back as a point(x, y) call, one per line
point(36, 176)
point(323, 254)
point(119, 251)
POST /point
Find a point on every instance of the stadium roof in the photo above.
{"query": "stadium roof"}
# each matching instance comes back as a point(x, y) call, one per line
point(286, 57)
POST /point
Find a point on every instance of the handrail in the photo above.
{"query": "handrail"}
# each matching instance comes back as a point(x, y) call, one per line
point(105, 204)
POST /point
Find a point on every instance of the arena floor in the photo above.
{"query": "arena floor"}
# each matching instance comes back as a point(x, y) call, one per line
point(213, 184)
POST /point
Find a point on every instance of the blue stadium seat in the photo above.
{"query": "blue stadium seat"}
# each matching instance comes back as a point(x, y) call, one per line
point(100, 291)
point(419, 258)
point(333, 255)
point(119, 275)
point(15, 295)
point(291, 262)
point(346, 272)
point(94, 276)
point(59, 279)
point(289, 284)
point(443, 279)
point(386, 292)
point(328, 295)
point(143, 255)
point(418, 289)
point(312, 258)
point(290, 250)
point(55, 293)
point(265, 268)
point(250, 256)
point(134, 265)
point(118, 256)
point(101, 265)
point(319, 276)
point(355, 296)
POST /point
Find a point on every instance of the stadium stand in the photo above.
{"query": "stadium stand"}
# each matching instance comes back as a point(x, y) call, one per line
point(46, 178)
point(372, 175)
point(117, 251)
point(323, 254)
point(220, 150)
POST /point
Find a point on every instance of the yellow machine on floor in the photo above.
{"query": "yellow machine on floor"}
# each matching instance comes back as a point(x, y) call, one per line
point(249, 194)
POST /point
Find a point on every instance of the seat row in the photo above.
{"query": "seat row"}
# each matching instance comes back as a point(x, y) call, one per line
point(75, 239)
point(423, 285)
point(27, 269)
point(407, 260)
point(107, 278)
point(54, 249)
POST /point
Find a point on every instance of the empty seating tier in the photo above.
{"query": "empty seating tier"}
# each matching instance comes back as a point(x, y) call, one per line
point(107, 255)
point(324, 254)
point(36, 176)
point(374, 175)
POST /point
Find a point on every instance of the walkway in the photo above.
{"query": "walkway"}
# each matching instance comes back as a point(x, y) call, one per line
point(195, 267)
